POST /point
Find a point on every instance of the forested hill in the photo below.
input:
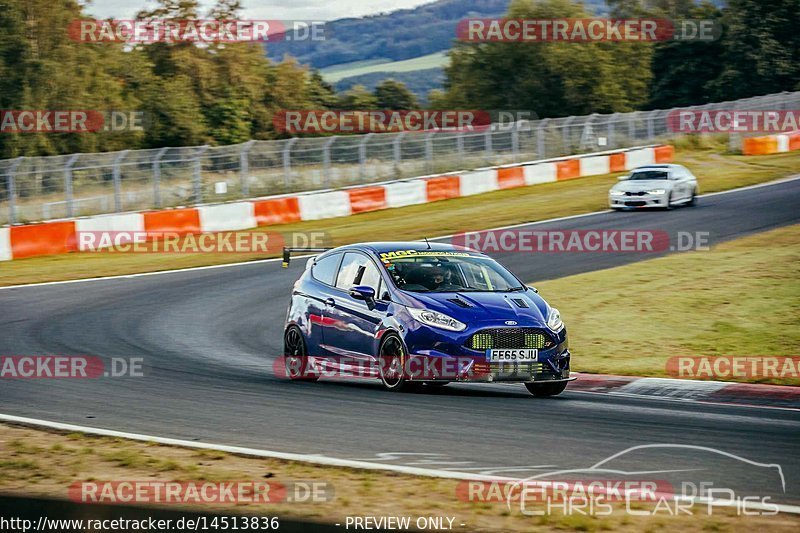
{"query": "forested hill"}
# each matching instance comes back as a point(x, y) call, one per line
point(402, 34)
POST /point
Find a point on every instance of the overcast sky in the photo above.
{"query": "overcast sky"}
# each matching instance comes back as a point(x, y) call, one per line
point(271, 9)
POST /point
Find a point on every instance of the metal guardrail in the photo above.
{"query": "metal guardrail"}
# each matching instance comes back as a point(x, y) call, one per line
point(43, 188)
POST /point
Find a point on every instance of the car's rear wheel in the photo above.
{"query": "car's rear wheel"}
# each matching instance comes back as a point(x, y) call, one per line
point(392, 359)
point(546, 389)
point(295, 356)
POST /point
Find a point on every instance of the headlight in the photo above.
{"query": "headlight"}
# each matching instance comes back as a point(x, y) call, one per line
point(656, 191)
point(437, 320)
point(616, 193)
point(554, 319)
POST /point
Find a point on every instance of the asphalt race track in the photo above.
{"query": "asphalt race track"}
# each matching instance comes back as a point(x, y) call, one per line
point(208, 338)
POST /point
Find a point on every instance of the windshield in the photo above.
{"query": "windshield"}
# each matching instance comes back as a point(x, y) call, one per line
point(429, 271)
point(650, 175)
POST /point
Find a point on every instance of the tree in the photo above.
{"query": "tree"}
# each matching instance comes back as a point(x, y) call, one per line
point(549, 78)
point(684, 70)
point(392, 94)
point(761, 49)
point(356, 98)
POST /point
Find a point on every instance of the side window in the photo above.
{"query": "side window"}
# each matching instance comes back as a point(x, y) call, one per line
point(357, 269)
point(324, 270)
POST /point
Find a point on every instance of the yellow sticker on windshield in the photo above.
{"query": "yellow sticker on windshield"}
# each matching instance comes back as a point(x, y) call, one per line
point(388, 256)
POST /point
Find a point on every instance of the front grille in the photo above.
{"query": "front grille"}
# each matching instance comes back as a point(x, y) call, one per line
point(510, 338)
point(521, 368)
point(640, 193)
point(517, 371)
point(635, 204)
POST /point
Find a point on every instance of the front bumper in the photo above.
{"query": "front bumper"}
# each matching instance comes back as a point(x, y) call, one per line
point(520, 372)
point(447, 358)
point(635, 201)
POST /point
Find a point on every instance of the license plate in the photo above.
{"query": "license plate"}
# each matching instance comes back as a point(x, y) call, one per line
point(512, 355)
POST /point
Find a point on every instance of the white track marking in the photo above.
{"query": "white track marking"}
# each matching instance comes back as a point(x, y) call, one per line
point(315, 458)
point(275, 259)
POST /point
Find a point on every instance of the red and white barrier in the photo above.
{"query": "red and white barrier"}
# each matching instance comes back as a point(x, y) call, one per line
point(227, 217)
point(320, 205)
point(771, 144)
point(5, 244)
point(540, 173)
point(403, 193)
point(126, 223)
point(60, 237)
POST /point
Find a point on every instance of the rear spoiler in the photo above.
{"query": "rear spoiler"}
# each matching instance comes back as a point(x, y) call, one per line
point(287, 253)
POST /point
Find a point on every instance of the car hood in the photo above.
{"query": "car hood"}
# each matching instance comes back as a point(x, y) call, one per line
point(525, 308)
point(641, 185)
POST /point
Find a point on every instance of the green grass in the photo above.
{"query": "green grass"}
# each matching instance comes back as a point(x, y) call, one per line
point(715, 172)
point(740, 298)
point(335, 73)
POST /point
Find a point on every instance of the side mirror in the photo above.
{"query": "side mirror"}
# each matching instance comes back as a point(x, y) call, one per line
point(534, 289)
point(362, 292)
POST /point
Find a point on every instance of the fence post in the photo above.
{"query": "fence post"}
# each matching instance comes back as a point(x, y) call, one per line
point(198, 174)
point(326, 161)
point(398, 153)
point(541, 149)
point(12, 190)
point(632, 126)
point(157, 177)
point(460, 142)
point(244, 168)
point(515, 139)
point(362, 156)
point(651, 124)
point(610, 134)
point(68, 185)
point(429, 151)
point(487, 142)
point(116, 173)
point(565, 135)
point(287, 161)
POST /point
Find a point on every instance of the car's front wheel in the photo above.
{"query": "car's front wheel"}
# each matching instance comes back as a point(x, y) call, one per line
point(295, 356)
point(669, 202)
point(392, 358)
point(546, 389)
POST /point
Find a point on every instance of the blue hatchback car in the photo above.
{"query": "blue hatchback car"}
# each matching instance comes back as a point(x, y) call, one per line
point(412, 313)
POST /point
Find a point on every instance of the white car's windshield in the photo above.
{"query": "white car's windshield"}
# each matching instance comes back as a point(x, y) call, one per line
point(427, 271)
point(650, 175)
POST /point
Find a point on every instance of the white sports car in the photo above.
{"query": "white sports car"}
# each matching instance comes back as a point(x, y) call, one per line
point(663, 186)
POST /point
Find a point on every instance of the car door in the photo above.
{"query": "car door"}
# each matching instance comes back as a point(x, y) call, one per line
point(324, 273)
point(353, 323)
point(681, 186)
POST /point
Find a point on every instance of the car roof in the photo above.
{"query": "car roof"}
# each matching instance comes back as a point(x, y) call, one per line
point(389, 246)
point(657, 167)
